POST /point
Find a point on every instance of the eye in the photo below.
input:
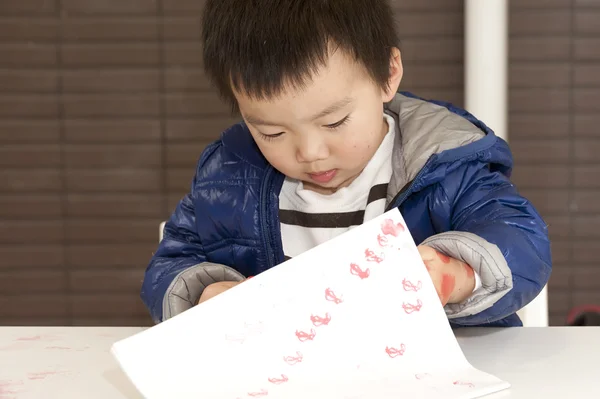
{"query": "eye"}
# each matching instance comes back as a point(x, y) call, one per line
point(270, 137)
point(339, 123)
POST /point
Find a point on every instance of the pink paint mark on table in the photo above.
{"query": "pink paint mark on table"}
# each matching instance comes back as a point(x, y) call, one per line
point(38, 338)
point(279, 380)
point(293, 360)
point(41, 375)
point(389, 227)
point(10, 388)
point(32, 338)
point(60, 348)
point(20, 345)
point(355, 270)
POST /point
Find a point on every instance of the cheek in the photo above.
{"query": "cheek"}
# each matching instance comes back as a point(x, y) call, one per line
point(366, 132)
point(358, 145)
point(278, 155)
point(348, 151)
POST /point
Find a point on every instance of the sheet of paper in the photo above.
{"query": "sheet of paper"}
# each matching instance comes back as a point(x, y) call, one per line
point(355, 318)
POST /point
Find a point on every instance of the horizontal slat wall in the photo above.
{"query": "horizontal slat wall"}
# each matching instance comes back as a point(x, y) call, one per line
point(555, 50)
point(540, 115)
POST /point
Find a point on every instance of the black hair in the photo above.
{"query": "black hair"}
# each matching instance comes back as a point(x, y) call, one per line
point(257, 47)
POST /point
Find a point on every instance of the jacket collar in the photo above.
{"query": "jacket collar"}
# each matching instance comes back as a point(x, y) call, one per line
point(239, 141)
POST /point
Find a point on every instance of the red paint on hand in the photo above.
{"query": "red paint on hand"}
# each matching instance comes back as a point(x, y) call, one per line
point(443, 257)
point(448, 284)
point(469, 270)
point(320, 321)
point(292, 360)
point(395, 352)
point(388, 227)
point(332, 297)
point(355, 270)
point(304, 336)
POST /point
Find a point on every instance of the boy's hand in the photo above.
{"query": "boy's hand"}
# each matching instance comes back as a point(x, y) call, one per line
point(454, 280)
point(216, 288)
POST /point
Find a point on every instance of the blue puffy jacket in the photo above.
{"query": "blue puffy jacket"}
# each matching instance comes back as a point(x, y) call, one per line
point(450, 182)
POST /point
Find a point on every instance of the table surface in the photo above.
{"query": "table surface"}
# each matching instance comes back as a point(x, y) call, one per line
point(75, 362)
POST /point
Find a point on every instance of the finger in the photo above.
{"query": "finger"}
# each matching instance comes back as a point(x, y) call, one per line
point(203, 297)
point(209, 292)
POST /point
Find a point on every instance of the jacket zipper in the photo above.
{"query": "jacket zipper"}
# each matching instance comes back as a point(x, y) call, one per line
point(264, 222)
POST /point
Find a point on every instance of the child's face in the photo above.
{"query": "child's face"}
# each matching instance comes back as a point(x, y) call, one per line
point(326, 133)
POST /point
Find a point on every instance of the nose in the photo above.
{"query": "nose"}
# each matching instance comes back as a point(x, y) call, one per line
point(311, 148)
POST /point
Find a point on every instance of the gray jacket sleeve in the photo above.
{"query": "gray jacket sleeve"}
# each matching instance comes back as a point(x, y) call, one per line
point(487, 261)
point(186, 289)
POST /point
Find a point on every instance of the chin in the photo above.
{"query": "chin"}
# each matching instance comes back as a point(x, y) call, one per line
point(328, 188)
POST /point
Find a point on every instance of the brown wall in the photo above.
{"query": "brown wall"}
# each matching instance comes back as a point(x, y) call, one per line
point(104, 111)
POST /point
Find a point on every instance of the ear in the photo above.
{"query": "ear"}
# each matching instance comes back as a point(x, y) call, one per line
point(396, 73)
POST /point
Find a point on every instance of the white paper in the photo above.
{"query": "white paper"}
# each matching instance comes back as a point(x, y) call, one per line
point(357, 317)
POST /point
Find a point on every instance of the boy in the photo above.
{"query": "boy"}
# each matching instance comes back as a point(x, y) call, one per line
point(327, 143)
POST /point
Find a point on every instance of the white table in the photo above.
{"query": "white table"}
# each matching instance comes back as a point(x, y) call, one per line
point(540, 363)
point(75, 363)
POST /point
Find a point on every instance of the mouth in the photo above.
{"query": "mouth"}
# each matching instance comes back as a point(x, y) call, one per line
point(323, 177)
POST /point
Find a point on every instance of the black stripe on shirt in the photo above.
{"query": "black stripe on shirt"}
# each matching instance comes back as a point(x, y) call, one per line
point(332, 220)
point(377, 192)
point(321, 220)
